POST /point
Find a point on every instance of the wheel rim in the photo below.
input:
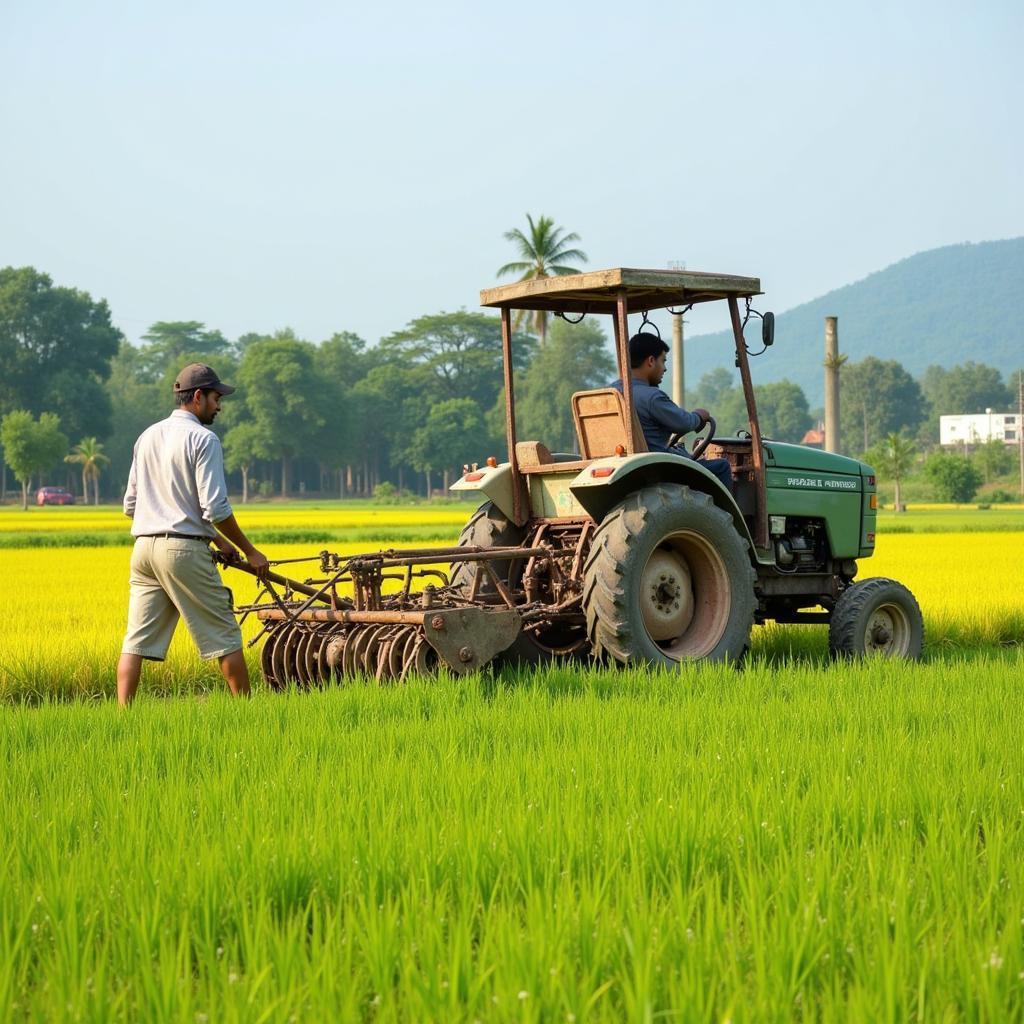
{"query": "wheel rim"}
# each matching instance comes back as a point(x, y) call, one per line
point(685, 596)
point(887, 632)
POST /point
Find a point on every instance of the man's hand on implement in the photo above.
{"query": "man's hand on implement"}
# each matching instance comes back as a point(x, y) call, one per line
point(232, 540)
point(255, 561)
point(258, 562)
point(229, 554)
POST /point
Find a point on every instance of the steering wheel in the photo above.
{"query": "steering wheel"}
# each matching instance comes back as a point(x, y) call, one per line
point(701, 445)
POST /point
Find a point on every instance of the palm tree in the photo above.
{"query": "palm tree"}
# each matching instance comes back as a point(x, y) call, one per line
point(88, 453)
point(893, 458)
point(544, 253)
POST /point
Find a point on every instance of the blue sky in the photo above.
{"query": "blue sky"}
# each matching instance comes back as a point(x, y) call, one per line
point(349, 167)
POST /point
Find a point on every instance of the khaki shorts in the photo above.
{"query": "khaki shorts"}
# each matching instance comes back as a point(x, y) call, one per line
point(173, 578)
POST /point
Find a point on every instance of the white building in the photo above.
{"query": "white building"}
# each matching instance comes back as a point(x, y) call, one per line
point(977, 428)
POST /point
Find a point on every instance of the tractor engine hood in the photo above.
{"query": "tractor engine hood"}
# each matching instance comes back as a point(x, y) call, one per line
point(797, 456)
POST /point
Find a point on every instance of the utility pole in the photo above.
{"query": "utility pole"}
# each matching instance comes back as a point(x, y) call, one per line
point(678, 365)
point(833, 360)
point(678, 375)
point(1020, 426)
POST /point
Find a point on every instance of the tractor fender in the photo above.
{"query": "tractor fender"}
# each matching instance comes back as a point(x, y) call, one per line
point(493, 482)
point(598, 492)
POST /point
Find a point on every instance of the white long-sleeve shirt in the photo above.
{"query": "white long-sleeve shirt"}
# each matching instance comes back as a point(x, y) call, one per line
point(176, 483)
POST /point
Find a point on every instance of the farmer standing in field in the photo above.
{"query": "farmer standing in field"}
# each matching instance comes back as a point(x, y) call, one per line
point(177, 499)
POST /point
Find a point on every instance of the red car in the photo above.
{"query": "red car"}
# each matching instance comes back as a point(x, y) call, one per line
point(54, 496)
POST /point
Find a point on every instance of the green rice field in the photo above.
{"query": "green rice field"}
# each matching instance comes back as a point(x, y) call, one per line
point(794, 839)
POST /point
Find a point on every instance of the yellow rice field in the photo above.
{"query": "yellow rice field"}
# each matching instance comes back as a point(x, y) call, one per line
point(329, 516)
point(62, 611)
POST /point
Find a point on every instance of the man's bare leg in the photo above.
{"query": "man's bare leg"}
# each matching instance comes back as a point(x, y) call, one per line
point(129, 671)
point(236, 672)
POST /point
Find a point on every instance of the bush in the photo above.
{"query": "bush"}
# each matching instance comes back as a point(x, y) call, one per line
point(266, 489)
point(1000, 497)
point(953, 477)
point(386, 493)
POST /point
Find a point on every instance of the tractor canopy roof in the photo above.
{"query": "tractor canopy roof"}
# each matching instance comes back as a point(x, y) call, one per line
point(597, 291)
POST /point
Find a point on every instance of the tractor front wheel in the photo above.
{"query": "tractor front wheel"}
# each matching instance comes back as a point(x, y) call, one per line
point(668, 580)
point(876, 617)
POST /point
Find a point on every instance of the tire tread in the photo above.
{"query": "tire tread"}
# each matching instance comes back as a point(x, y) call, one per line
point(850, 608)
point(606, 596)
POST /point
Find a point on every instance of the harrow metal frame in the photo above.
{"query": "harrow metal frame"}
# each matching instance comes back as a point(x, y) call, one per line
point(313, 633)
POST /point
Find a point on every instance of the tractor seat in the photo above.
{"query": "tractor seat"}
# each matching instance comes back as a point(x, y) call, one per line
point(534, 456)
point(600, 419)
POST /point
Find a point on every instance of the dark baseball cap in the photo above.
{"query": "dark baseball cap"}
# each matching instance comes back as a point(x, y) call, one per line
point(199, 375)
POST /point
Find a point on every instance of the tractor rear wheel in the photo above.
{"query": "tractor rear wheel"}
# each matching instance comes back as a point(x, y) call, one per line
point(876, 617)
point(490, 528)
point(668, 580)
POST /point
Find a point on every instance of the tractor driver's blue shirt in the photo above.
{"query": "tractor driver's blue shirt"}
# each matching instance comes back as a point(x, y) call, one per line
point(659, 416)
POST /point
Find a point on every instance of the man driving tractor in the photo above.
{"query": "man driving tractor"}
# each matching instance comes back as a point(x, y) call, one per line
point(659, 416)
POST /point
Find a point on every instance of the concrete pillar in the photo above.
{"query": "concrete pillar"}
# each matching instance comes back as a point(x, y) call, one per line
point(678, 373)
point(832, 363)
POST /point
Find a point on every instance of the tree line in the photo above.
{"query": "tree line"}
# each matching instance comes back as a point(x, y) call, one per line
point(340, 416)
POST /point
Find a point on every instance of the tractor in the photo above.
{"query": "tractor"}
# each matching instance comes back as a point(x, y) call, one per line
point(613, 552)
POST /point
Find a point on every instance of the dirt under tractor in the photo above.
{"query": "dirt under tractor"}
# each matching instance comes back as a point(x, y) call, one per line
point(613, 552)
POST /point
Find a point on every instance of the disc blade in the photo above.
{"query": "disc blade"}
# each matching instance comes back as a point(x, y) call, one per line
point(382, 670)
point(409, 653)
point(365, 656)
point(288, 657)
point(396, 655)
point(266, 660)
point(323, 666)
point(313, 657)
point(299, 658)
point(277, 654)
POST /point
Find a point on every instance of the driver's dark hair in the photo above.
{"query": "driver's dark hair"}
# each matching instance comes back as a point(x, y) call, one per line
point(184, 397)
point(643, 345)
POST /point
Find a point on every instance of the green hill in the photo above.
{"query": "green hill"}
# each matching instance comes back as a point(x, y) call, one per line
point(943, 307)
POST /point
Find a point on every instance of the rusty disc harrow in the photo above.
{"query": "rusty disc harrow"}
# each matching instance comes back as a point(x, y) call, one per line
point(313, 654)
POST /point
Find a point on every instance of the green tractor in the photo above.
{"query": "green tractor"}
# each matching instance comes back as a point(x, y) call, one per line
point(672, 566)
point(614, 553)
